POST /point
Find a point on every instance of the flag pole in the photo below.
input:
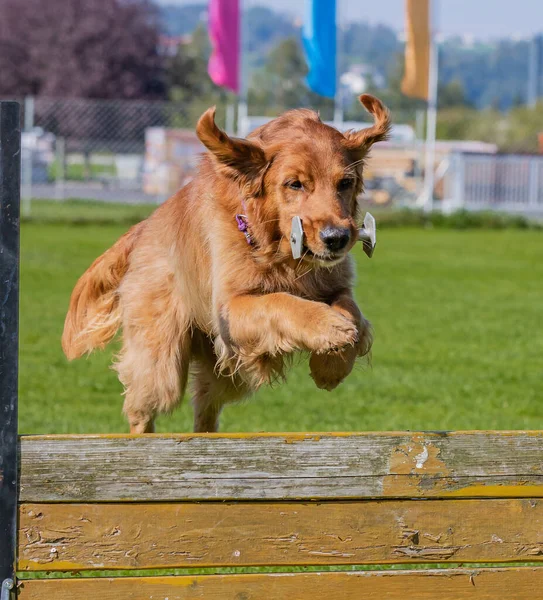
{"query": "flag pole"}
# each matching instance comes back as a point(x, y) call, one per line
point(427, 198)
point(225, 63)
point(230, 114)
point(338, 98)
point(244, 79)
point(533, 72)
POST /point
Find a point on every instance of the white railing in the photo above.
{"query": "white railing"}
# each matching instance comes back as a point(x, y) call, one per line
point(508, 183)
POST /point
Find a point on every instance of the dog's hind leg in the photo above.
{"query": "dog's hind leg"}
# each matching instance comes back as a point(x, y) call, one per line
point(153, 367)
point(154, 381)
point(211, 391)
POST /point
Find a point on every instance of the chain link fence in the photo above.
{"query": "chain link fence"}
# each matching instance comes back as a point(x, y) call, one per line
point(142, 152)
point(100, 126)
point(124, 151)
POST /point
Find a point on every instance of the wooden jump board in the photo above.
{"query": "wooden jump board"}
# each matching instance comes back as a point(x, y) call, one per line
point(104, 503)
point(155, 468)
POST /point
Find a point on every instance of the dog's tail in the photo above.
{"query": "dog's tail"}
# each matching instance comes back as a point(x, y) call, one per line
point(94, 314)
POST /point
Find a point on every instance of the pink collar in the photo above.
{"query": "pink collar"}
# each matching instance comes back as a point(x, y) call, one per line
point(243, 224)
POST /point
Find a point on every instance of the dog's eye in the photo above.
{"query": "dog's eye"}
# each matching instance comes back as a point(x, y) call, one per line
point(295, 185)
point(344, 184)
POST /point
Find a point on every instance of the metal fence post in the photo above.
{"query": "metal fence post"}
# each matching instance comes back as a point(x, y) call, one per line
point(534, 183)
point(230, 118)
point(28, 158)
point(10, 182)
point(419, 134)
point(457, 189)
point(60, 161)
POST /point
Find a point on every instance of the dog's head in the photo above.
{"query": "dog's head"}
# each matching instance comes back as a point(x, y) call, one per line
point(297, 165)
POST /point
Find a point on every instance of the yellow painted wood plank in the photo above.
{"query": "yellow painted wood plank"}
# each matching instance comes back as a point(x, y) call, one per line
point(300, 436)
point(484, 584)
point(281, 466)
point(65, 537)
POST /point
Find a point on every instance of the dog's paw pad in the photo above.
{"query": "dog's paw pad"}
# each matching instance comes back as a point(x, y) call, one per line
point(326, 384)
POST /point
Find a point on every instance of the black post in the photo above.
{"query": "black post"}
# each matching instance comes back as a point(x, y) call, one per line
point(10, 182)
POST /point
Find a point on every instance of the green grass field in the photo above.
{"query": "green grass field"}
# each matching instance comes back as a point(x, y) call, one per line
point(458, 338)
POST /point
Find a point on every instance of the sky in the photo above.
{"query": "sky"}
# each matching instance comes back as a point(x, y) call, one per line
point(478, 18)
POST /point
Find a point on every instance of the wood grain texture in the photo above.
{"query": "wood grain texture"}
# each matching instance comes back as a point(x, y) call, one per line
point(64, 537)
point(483, 584)
point(280, 466)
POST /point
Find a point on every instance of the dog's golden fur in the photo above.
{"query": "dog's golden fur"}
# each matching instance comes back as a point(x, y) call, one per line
point(188, 291)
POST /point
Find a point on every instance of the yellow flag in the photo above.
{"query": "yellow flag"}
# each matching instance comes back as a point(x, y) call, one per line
point(417, 49)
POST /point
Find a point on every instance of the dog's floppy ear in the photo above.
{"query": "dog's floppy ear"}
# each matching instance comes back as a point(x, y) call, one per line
point(236, 157)
point(365, 138)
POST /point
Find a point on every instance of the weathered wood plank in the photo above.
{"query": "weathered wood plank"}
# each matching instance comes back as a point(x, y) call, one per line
point(280, 466)
point(482, 584)
point(65, 537)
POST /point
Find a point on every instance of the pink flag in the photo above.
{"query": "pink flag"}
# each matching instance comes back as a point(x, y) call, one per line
point(223, 67)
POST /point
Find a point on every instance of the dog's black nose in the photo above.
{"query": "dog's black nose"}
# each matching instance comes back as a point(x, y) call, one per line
point(335, 238)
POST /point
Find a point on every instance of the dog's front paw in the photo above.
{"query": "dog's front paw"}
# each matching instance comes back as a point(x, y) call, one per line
point(365, 338)
point(330, 369)
point(332, 331)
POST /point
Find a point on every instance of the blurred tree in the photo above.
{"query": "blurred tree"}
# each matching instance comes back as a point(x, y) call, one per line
point(393, 96)
point(80, 48)
point(522, 127)
point(189, 83)
point(280, 84)
point(492, 73)
point(515, 131)
point(452, 95)
point(456, 123)
point(375, 45)
point(265, 30)
point(518, 100)
point(179, 20)
point(265, 27)
point(186, 72)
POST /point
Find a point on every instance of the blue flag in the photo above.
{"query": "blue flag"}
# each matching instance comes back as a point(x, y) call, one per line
point(319, 37)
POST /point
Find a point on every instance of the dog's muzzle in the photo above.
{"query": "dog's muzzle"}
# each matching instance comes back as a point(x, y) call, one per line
point(335, 239)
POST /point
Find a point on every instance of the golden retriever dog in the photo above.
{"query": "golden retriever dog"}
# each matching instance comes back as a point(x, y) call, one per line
point(208, 283)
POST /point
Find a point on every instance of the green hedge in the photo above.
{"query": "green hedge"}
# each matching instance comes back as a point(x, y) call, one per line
point(461, 219)
point(83, 212)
